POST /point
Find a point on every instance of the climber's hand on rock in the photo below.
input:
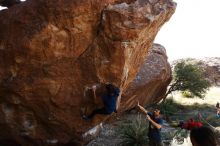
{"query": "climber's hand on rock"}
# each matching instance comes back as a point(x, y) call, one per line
point(94, 88)
point(138, 103)
point(139, 107)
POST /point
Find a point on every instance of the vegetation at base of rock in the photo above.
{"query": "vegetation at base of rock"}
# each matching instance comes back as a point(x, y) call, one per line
point(134, 132)
point(169, 107)
point(189, 78)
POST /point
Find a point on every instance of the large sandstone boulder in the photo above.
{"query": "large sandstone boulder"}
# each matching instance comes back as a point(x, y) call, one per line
point(52, 52)
point(151, 81)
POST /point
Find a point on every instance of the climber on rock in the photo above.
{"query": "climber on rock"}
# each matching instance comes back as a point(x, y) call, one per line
point(109, 100)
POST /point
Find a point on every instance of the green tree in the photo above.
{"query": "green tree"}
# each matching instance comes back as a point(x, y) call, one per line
point(188, 77)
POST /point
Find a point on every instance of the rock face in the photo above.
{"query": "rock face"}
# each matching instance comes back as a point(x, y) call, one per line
point(52, 52)
point(151, 81)
point(212, 69)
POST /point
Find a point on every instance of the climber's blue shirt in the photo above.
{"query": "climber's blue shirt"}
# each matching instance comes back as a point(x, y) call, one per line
point(109, 101)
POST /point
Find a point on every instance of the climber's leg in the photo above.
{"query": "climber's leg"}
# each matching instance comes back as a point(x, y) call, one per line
point(102, 111)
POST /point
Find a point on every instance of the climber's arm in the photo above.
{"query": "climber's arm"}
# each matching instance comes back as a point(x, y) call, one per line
point(142, 109)
point(94, 93)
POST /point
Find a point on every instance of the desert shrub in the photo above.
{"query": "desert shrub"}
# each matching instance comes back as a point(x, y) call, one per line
point(134, 132)
point(188, 77)
point(186, 94)
point(169, 107)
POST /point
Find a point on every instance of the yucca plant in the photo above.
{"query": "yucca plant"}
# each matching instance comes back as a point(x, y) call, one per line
point(134, 132)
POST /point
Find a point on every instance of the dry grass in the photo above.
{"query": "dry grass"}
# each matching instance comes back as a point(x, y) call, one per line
point(211, 98)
